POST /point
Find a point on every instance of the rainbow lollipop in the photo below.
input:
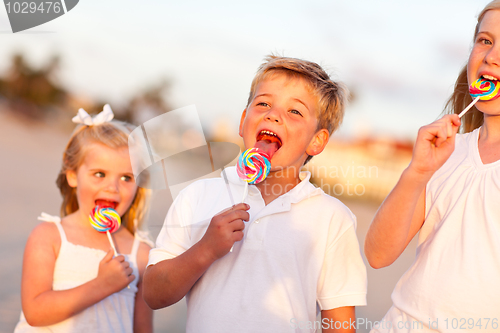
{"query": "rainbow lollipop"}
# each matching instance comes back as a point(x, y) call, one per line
point(253, 166)
point(482, 89)
point(486, 90)
point(105, 219)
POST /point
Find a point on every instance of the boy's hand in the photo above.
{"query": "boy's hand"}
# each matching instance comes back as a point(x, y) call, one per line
point(434, 145)
point(114, 273)
point(225, 229)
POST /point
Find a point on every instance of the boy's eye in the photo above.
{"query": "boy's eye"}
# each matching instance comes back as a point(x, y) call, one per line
point(99, 174)
point(126, 178)
point(263, 104)
point(296, 112)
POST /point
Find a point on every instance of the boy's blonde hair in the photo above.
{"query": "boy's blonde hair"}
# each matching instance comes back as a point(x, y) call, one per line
point(460, 97)
point(113, 134)
point(331, 96)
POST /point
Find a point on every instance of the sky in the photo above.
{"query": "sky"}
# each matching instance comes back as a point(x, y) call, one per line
point(400, 58)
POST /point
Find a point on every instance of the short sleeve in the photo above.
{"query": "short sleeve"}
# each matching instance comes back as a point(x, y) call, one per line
point(174, 237)
point(343, 279)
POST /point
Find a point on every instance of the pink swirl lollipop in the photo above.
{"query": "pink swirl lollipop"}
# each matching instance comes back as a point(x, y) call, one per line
point(482, 89)
point(253, 166)
point(105, 219)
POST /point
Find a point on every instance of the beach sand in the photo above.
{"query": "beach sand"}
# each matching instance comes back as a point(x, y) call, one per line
point(31, 158)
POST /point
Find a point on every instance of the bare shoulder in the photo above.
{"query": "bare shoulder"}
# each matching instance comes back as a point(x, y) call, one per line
point(44, 240)
point(45, 232)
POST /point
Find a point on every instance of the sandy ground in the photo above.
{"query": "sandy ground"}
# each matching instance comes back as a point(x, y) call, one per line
point(30, 160)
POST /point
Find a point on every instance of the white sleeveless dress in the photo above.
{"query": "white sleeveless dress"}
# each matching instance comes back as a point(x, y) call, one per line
point(454, 283)
point(76, 265)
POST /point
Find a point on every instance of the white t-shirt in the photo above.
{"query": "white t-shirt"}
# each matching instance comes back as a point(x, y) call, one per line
point(454, 283)
point(299, 254)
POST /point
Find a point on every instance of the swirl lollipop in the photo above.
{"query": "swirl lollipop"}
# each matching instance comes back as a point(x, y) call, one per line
point(253, 166)
point(486, 90)
point(482, 89)
point(105, 219)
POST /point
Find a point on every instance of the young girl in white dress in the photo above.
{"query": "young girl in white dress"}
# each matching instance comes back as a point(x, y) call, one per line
point(450, 193)
point(71, 280)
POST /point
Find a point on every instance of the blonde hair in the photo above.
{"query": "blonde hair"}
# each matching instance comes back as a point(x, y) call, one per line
point(460, 97)
point(113, 134)
point(331, 96)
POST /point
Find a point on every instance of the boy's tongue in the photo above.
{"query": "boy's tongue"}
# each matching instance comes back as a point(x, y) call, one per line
point(267, 147)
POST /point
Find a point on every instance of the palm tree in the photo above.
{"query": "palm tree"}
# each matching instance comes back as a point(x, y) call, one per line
point(32, 92)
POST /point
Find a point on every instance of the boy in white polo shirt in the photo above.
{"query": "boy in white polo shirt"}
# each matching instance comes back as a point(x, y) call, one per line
point(294, 248)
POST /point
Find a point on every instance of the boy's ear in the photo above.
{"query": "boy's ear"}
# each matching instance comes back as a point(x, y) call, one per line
point(71, 178)
point(318, 142)
point(242, 120)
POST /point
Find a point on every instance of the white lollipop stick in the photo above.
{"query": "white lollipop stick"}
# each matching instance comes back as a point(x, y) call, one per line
point(469, 106)
point(111, 242)
point(113, 246)
point(245, 193)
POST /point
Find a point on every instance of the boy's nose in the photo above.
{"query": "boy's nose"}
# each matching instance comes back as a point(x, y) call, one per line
point(273, 115)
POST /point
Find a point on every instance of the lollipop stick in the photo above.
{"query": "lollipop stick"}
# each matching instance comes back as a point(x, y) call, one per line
point(245, 193)
point(469, 106)
point(111, 242)
point(113, 246)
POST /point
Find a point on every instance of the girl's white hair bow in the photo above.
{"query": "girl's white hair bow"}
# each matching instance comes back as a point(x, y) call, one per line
point(103, 117)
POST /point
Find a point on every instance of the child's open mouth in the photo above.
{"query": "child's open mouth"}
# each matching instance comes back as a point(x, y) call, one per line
point(268, 142)
point(489, 77)
point(106, 203)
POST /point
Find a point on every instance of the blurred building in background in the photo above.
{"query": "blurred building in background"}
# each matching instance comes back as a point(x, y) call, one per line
point(360, 169)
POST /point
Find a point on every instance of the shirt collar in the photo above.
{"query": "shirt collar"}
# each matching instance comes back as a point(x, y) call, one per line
point(301, 191)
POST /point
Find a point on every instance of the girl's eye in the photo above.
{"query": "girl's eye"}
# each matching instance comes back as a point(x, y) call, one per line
point(99, 174)
point(263, 104)
point(296, 112)
point(485, 41)
point(126, 178)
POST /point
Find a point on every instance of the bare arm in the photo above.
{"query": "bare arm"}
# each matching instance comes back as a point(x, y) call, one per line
point(143, 314)
point(43, 306)
point(339, 320)
point(402, 214)
point(169, 280)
